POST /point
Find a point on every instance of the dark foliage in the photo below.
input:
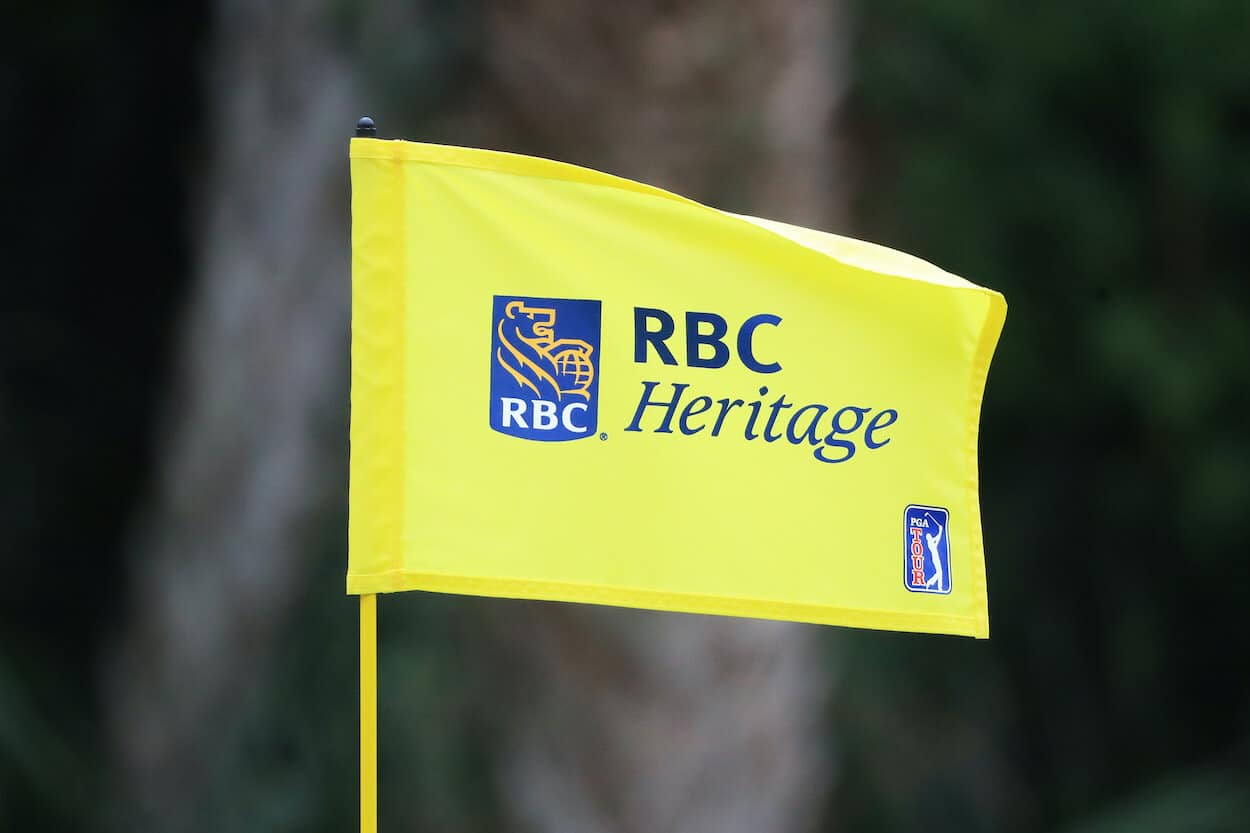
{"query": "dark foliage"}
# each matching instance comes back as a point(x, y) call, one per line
point(1092, 162)
point(100, 105)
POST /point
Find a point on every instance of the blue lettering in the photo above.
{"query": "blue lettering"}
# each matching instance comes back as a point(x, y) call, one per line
point(646, 402)
point(876, 424)
point(746, 348)
point(656, 338)
point(839, 430)
point(749, 433)
point(726, 405)
point(809, 433)
point(696, 340)
point(769, 436)
point(692, 410)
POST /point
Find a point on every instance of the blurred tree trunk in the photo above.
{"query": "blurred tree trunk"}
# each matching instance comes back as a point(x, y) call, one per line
point(615, 720)
point(254, 444)
point(640, 722)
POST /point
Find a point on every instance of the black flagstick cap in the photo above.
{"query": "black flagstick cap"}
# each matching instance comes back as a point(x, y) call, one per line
point(366, 129)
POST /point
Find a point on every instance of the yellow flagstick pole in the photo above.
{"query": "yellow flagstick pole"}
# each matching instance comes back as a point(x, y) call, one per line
point(368, 713)
point(365, 128)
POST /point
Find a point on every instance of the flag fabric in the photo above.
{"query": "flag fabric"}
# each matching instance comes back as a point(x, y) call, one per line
point(576, 387)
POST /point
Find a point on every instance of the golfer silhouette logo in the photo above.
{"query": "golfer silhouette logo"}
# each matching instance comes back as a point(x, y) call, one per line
point(926, 550)
point(934, 540)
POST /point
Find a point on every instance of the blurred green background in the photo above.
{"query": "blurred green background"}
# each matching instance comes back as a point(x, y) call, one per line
point(176, 652)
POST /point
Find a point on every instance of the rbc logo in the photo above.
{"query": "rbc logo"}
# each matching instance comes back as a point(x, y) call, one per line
point(926, 550)
point(544, 380)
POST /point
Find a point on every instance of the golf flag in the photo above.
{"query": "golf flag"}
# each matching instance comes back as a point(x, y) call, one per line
point(571, 386)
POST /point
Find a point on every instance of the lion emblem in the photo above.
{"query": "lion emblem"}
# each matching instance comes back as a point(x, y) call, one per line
point(532, 354)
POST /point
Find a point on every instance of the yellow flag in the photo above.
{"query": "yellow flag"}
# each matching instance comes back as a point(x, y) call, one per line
point(571, 386)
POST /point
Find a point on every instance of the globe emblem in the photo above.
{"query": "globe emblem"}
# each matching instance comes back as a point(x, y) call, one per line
point(574, 366)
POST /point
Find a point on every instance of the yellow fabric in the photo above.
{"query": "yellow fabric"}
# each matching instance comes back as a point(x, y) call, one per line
point(721, 522)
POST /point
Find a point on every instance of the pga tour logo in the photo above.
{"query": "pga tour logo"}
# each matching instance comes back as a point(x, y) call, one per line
point(544, 368)
point(926, 550)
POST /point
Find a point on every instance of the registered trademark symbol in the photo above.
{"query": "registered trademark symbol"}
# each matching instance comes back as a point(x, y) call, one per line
point(603, 436)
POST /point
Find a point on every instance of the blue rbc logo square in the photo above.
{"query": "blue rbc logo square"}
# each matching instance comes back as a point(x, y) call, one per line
point(926, 550)
point(544, 368)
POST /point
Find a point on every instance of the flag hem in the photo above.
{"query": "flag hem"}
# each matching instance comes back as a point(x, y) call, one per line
point(987, 342)
point(399, 581)
point(377, 433)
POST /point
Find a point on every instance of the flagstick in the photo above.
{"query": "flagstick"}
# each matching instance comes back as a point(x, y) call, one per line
point(368, 713)
point(368, 666)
